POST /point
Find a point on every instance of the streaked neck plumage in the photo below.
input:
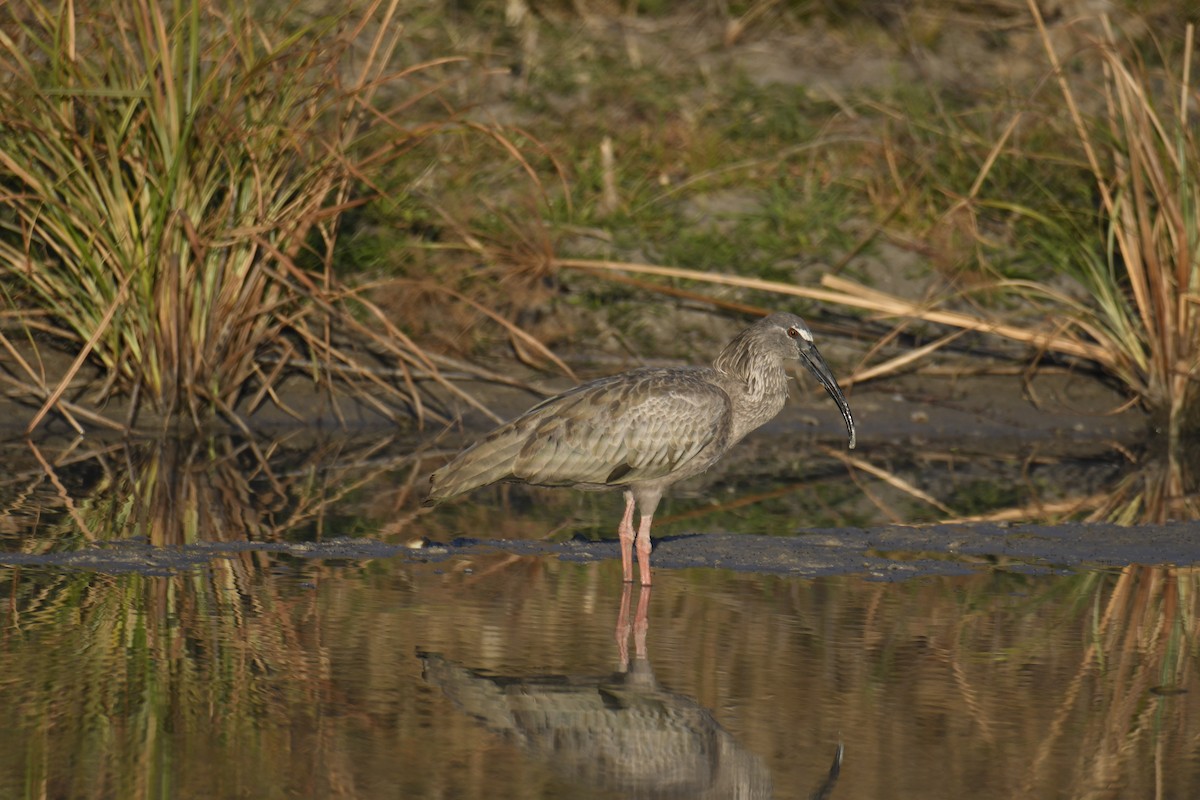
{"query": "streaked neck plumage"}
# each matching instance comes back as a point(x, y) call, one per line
point(756, 383)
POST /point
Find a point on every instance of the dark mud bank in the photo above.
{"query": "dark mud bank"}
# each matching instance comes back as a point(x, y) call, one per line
point(887, 553)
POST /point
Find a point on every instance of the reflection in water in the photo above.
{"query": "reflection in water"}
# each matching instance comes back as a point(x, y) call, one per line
point(139, 661)
point(1143, 650)
point(172, 492)
point(120, 685)
point(825, 790)
point(621, 732)
point(1162, 487)
point(269, 670)
point(297, 678)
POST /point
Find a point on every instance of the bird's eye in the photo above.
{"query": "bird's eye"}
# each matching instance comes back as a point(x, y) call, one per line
point(793, 332)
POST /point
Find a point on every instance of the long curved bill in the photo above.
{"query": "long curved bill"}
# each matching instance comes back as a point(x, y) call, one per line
point(817, 366)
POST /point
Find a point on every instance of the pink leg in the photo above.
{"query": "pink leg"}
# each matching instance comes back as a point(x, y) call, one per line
point(643, 549)
point(626, 534)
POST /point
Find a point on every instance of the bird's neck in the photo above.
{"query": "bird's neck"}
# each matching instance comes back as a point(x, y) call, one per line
point(756, 384)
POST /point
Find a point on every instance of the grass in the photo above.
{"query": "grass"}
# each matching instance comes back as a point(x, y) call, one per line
point(1143, 272)
point(1099, 192)
point(1082, 207)
point(173, 179)
point(1068, 225)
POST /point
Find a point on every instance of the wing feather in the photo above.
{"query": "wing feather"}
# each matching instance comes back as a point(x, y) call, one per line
point(638, 426)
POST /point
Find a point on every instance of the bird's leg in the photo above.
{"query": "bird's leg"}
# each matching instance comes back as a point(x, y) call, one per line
point(647, 498)
point(625, 533)
point(643, 549)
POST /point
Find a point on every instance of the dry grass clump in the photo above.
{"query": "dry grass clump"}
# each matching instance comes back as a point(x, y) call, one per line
point(172, 179)
point(1139, 260)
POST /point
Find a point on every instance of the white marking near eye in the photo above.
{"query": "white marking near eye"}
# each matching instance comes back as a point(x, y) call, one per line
point(806, 335)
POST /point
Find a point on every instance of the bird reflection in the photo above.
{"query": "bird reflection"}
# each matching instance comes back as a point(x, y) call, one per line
point(620, 732)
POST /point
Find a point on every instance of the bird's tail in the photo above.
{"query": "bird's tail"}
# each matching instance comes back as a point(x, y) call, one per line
point(488, 461)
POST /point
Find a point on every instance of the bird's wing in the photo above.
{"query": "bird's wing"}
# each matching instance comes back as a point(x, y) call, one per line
point(637, 426)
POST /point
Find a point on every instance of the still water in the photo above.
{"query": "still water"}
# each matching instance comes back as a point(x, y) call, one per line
point(175, 626)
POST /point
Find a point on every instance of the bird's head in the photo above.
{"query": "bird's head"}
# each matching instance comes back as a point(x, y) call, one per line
point(790, 337)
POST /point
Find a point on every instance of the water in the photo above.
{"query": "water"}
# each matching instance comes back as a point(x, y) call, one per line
point(189, 621)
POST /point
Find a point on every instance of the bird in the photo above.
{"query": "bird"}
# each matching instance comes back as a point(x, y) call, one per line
point(643, 430)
